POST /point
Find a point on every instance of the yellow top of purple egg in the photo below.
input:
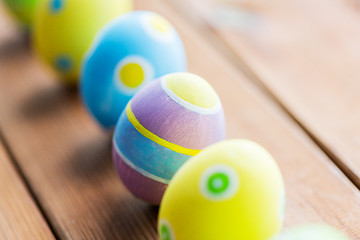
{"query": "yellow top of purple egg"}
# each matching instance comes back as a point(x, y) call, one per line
point(188, 97)
point(192, 89)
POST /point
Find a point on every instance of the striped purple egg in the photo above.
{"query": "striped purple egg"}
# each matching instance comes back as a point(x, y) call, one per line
point(165, 123)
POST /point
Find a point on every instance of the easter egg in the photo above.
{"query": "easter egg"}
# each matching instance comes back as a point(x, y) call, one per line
point(128, 53)
point(23, 10)
point(65, 29)
point(311, 232)
point(164, 124)
point(230, 190)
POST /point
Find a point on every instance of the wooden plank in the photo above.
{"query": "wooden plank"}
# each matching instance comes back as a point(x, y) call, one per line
point(20, 218)
point(307, 54)
point(71, 171)
point(6, 27)
point(65, 156)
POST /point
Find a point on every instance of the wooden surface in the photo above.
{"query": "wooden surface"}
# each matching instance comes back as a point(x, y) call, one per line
point(65, 157)
point(19, 216)
point(307, 55)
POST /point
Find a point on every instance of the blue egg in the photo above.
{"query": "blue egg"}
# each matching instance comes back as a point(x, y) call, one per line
point(130, 51)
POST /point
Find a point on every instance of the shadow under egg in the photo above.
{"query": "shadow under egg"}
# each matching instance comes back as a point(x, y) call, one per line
point(91, 159)
point(45, 102)
point(130, 218)
point(16, 45)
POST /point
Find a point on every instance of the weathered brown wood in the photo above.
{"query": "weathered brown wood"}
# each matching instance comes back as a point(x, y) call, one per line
point(307, 54)
point(19, 216)
point(66, 157)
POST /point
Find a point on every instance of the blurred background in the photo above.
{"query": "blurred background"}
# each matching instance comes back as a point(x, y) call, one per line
point(288, 75)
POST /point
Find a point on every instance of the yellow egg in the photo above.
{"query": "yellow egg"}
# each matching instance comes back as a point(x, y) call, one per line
point(65, 29)
point(231, 190)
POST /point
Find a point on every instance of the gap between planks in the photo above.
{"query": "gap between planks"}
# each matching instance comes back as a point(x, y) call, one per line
point(21, 209)
point(8, 34)
point(26, 183)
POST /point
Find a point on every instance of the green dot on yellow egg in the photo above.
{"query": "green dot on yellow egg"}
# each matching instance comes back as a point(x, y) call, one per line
point(164, 233)
point(132, 75)
point(218, 183)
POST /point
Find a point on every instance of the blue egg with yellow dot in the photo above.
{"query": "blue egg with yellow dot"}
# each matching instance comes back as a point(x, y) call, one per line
point(130, 51)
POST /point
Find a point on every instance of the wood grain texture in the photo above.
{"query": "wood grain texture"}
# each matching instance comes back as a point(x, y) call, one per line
point(66, 157)
point(19, 216)
point(307, 54)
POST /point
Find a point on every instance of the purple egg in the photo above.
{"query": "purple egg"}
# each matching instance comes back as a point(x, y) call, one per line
point(170, 120)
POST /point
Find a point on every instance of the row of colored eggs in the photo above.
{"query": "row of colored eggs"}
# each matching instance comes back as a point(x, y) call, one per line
point(223, 191)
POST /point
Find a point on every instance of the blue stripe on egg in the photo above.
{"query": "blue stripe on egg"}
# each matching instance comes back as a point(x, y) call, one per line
point(144, 153)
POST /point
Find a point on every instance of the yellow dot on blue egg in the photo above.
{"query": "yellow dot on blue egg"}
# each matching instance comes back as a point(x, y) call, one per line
point(132, 72)
point(63, 63)
point(159, 28)
point(132, 75)
point(160, 24)
point(56, 5)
